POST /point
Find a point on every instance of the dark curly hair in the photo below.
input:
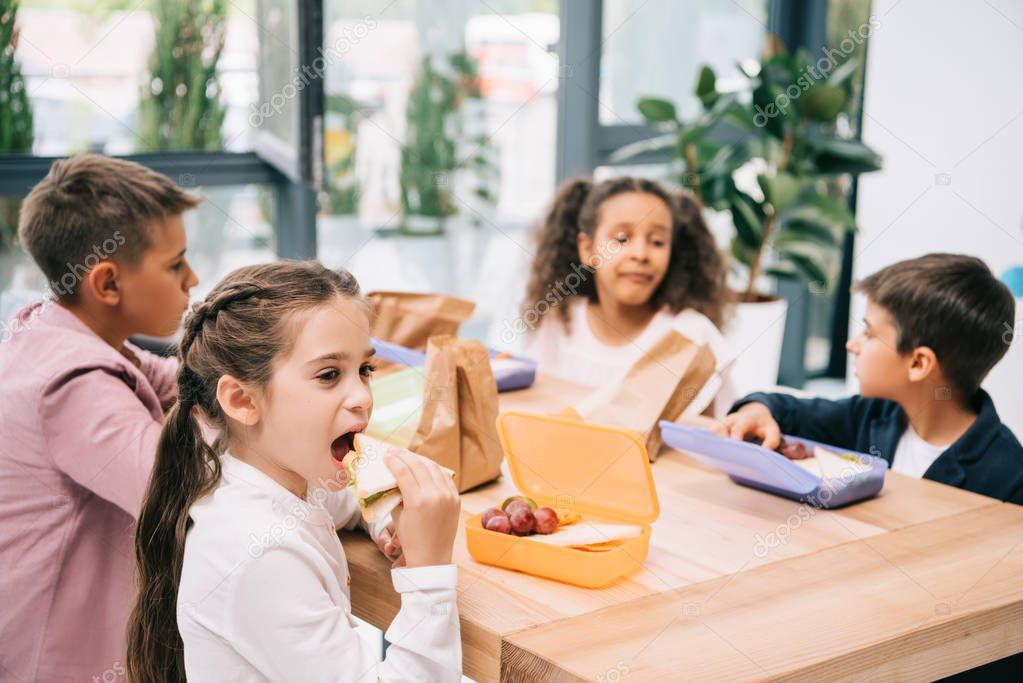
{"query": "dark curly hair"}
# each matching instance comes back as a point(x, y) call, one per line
point(696, 270)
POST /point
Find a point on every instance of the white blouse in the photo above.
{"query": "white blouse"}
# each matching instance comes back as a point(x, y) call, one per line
point(578, 356)
point(264, 593)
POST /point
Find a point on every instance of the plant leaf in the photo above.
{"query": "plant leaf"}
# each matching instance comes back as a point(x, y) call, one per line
point(742, 253)
point(832, 208)
point(656, 110)
point(780, 190)
point(822, 102)
point(800, 231)
point(806, 266)
point(705, 86)
point(640, 147)
point(812, 214)
point(834, 155)
point(747, 224)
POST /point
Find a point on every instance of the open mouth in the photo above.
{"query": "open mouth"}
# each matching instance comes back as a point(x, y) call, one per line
point(641, 278)
point(342, 446)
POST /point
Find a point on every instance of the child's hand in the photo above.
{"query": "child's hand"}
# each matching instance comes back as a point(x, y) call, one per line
point(388, 543)
point(753, 420)
point(427, 520)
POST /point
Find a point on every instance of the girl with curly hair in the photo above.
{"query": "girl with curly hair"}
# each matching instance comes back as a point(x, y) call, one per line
point(618, 264)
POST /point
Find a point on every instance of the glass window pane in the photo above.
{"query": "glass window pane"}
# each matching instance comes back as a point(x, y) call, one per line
point(408, 143)
point(843, 16)
point(656, 47)
point(118, 77)
point(230, 229)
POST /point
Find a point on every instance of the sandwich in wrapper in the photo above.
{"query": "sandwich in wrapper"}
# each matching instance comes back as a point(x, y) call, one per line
point(374, 484)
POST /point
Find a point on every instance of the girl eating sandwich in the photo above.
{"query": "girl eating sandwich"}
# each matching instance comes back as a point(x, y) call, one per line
point(241, 573)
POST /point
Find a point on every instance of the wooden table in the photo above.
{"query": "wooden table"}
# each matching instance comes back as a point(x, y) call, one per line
point(921, 582)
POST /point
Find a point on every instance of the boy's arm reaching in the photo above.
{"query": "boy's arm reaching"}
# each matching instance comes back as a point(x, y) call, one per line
point(101, 435)
point(833, 422)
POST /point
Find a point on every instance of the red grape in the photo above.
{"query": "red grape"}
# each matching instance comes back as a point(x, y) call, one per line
point(546, 521)
point(489, 514)
point(499, 523)
point(522, 521)
point(794, 450)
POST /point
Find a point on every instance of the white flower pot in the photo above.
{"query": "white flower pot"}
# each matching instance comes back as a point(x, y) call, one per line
point(754, 333)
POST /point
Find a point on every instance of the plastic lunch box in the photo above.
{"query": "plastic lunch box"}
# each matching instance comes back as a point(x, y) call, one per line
point(598, 471)
point(751, 465)
point(519, 375)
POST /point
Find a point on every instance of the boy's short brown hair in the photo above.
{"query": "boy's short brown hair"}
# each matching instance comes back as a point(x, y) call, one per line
point(952, 304)
point(92, 207)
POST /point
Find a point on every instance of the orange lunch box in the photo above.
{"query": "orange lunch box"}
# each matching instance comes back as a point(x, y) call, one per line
point(598, 471)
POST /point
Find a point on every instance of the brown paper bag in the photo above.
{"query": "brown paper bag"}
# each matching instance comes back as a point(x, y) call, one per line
point(458, 427)
point(657, 387)
point(411, 319)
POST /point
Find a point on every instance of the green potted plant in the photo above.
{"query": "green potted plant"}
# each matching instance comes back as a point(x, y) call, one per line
point(180, 106)
point(433, 150)
point(779, 184)
point(339, 228)
point(16, 131)
point(341, 193)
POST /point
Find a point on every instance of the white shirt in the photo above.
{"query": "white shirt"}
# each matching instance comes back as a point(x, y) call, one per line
point(913, 455)
point(264, 593)
point(579, 357)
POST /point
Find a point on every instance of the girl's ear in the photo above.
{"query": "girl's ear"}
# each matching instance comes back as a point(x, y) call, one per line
point(923, 363)
point(104, 283)
point(237, 401)
point(585, 244)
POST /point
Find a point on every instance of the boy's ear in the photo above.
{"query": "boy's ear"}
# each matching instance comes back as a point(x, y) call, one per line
point(923, 363)
point(585, 244)
point(104, 283)
point(237, 401)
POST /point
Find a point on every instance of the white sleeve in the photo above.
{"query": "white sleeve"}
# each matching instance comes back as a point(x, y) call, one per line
point(425, 639)
point(286, 625)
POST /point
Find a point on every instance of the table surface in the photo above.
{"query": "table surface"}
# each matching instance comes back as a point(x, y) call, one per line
point(920, 582)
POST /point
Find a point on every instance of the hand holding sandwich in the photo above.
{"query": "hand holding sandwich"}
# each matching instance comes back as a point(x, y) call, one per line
point(427, 521)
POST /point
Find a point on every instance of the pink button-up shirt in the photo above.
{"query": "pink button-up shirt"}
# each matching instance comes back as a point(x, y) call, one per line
point(79, 424)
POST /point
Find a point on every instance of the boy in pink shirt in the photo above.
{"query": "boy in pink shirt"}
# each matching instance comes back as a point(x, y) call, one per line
point(81, 411)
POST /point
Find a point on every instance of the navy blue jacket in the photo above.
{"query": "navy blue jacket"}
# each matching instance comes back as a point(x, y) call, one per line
point(987, 459)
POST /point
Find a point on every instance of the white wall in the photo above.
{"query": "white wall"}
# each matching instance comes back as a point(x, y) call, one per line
point(944, 106)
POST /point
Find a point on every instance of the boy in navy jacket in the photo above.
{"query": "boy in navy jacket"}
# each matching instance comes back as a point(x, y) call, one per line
point(933, 328)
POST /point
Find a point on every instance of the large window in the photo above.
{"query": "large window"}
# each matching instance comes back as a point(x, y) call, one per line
point(98, 74)
point(657, 47)
point(398, 151)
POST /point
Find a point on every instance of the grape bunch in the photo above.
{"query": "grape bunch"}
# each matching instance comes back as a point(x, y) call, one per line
point(520, 516)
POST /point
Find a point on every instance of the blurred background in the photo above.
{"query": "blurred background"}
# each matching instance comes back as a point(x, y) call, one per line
point(417, 143)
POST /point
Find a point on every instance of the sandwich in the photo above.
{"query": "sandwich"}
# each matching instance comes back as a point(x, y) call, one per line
point(374, 485)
